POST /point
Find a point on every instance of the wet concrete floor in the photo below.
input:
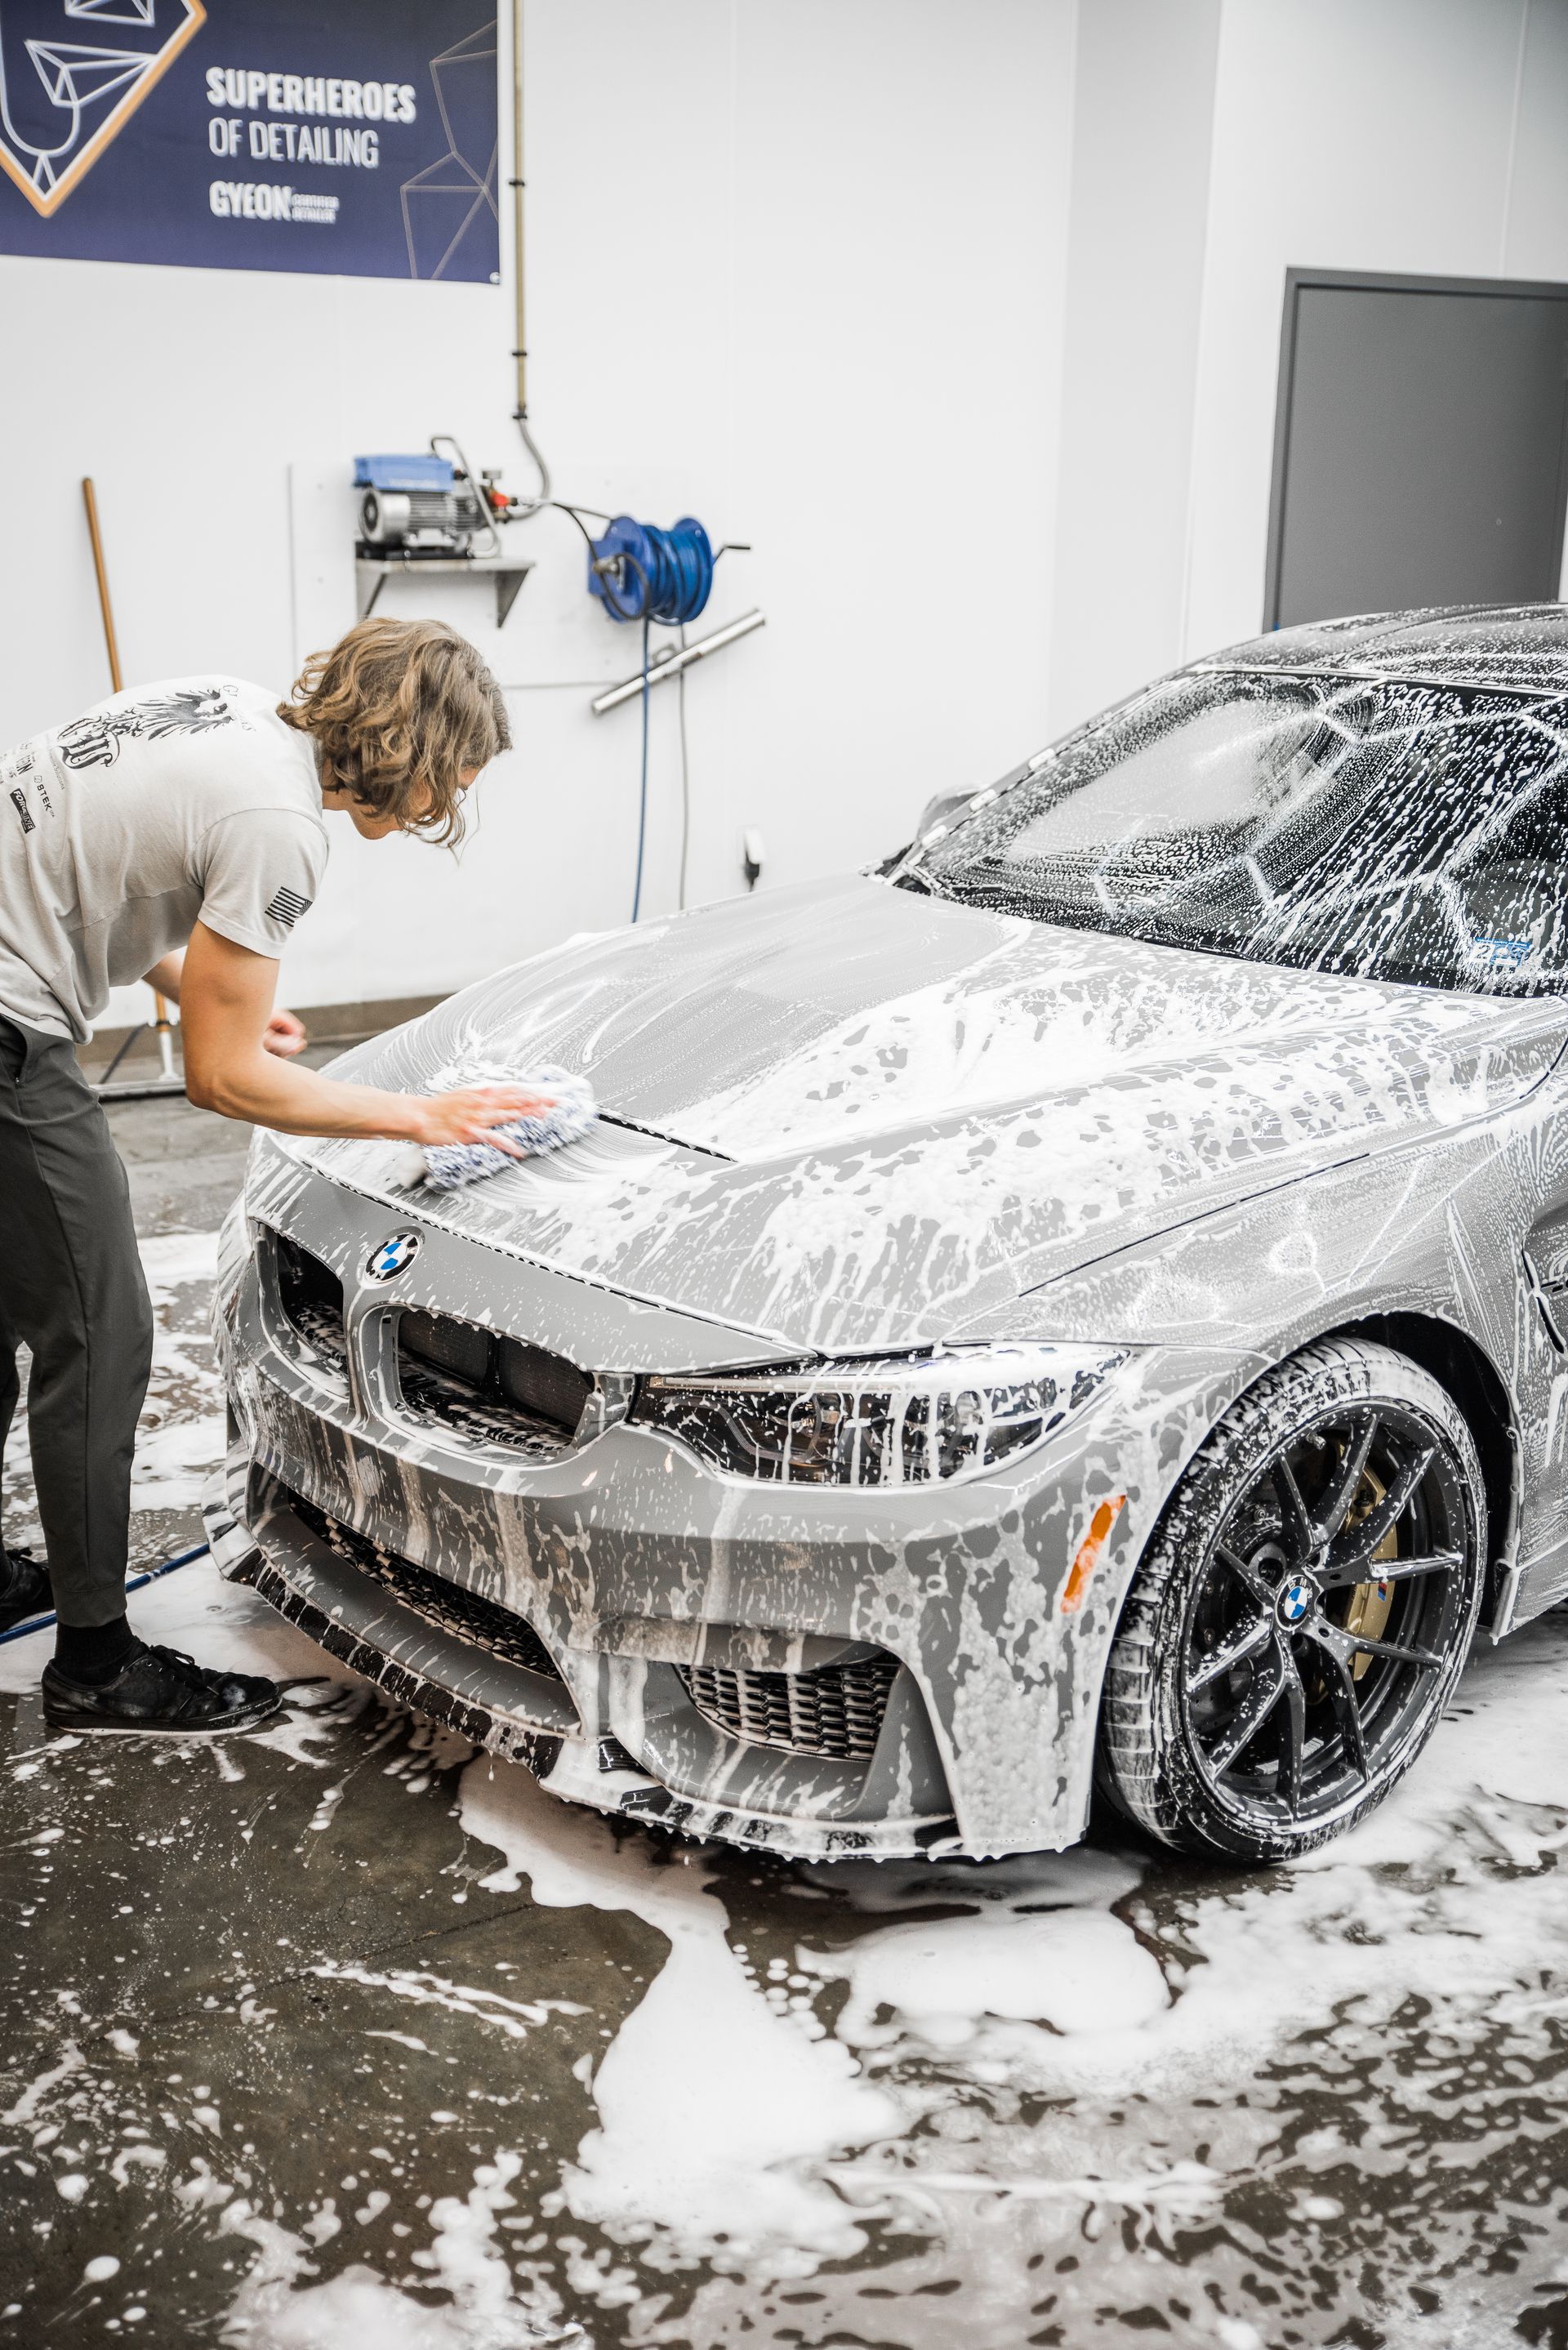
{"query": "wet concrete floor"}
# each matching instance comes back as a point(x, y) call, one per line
point(336, 2035)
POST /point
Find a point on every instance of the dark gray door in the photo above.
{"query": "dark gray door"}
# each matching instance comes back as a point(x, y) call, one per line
point(1419, 445)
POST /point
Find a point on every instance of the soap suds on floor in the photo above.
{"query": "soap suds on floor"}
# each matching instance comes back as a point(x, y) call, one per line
point(1160, 2031)
point(1074, 1970)
point(514, 2017)
point(715, 2112)
point(948, 2080)
point(275, 2311)
point(954, 2075)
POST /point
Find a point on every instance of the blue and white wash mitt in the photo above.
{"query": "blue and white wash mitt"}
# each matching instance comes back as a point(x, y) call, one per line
point(573, 1109)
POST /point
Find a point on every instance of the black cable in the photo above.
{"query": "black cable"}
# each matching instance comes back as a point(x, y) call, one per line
point(577, 513)
point(615, 589)
point(126, 1043)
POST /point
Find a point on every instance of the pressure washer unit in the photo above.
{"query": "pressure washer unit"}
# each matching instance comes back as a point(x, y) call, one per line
point(423, 504)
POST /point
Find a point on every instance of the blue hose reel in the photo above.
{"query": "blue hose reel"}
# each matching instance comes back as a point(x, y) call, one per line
point(639, 572)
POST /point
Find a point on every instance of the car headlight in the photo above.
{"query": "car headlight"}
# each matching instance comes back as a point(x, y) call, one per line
point(906, 1420)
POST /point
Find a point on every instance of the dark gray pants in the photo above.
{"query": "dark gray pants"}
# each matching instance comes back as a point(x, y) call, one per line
point(71, 1286)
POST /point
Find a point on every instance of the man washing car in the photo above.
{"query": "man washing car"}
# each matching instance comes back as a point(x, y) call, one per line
point(175, 833)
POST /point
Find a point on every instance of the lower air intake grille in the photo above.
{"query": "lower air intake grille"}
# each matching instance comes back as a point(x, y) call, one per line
point(463, 1613)
point(835, 1711)
point(311, 1297)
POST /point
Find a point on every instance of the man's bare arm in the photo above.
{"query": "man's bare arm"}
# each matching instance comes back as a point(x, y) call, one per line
point(284, 1034)
point(165, 975)
point(225, 1003)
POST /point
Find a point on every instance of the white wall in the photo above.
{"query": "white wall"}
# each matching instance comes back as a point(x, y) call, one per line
point(1421, 136)
point(1403, 135)
point(966, 312)
point(795, 266)
point(1143, 132)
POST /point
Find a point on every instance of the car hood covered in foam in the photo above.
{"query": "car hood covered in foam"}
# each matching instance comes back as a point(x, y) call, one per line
point(848, 1117)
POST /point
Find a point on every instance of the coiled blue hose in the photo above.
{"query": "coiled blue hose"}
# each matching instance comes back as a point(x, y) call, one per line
point(642, 573)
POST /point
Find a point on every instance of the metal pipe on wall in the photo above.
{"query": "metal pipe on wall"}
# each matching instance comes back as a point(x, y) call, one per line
point(521, 353)
point(672, 663)
point(519, 272)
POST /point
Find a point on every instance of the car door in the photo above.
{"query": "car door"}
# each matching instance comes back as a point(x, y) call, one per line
point(1541, 1378)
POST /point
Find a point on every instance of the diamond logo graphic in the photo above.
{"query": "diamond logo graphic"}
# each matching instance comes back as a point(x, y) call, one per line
point(63, 101)
point(454, 197)
point(74, 77)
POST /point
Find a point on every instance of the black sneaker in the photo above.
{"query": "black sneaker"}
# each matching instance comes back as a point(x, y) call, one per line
point(25, 1587)
point(159, 1693)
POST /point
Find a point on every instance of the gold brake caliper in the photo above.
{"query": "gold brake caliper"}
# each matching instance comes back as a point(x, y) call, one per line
point(1371, 1604)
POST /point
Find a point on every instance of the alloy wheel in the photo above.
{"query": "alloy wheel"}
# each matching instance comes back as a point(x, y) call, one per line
point(1325, 1616)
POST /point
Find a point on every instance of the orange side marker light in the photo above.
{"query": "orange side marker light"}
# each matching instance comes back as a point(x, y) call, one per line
point(1075, 1589)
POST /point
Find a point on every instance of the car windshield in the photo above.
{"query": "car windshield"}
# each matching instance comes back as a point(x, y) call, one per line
point(1408, 832)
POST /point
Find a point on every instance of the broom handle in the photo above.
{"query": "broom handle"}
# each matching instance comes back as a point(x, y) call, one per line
point(163, 1025)
point(90, 501)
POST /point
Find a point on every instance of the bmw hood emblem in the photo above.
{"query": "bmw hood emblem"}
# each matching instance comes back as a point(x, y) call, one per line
point(393, 1256)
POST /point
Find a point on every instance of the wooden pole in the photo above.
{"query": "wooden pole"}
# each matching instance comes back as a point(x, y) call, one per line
point(163, 1025)
point(105, 607)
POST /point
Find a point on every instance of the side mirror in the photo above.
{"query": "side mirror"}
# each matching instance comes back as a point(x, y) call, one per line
point(934, 811)
point(945, 804)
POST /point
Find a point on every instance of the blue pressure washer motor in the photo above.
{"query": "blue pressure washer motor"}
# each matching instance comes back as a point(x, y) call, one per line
point(641, 573)
point(421, 503)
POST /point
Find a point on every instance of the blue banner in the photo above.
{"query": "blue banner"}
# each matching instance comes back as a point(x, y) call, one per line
point(358, 137)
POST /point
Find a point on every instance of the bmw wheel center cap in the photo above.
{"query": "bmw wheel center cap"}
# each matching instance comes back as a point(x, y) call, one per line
point(393, 1256)
point(1295, 1600)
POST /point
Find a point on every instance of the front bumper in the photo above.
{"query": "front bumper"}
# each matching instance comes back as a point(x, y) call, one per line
point(259, 1537)
point(629, 1560)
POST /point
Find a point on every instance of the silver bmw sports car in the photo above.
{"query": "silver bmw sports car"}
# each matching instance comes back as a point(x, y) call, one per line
point(1084, 1306)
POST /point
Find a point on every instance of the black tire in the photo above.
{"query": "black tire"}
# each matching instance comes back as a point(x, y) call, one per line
point(1261, 1696)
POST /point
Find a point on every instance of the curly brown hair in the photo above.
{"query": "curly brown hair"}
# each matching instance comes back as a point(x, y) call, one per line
point(400, 710)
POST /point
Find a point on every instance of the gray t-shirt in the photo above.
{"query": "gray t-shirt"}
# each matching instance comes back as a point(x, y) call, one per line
point(166, 803)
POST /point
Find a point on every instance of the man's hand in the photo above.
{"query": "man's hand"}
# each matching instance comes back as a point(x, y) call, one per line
point(470, 1114)
point(284, 1034)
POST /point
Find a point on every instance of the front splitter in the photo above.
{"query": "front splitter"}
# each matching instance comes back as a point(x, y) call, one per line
point(597, 1771)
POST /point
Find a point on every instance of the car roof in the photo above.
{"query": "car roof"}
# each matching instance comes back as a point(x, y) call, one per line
point(1513, 648)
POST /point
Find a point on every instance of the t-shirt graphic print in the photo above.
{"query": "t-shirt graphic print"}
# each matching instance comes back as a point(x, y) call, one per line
point(185, 800)
point(95, 741)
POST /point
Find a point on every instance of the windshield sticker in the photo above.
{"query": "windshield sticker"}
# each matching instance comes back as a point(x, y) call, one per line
point(1504, 954)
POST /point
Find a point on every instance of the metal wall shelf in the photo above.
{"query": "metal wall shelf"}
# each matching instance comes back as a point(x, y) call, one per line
point(371, 573)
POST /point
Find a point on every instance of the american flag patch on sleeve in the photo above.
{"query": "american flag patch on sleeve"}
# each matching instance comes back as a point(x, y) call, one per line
point(287, 907)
